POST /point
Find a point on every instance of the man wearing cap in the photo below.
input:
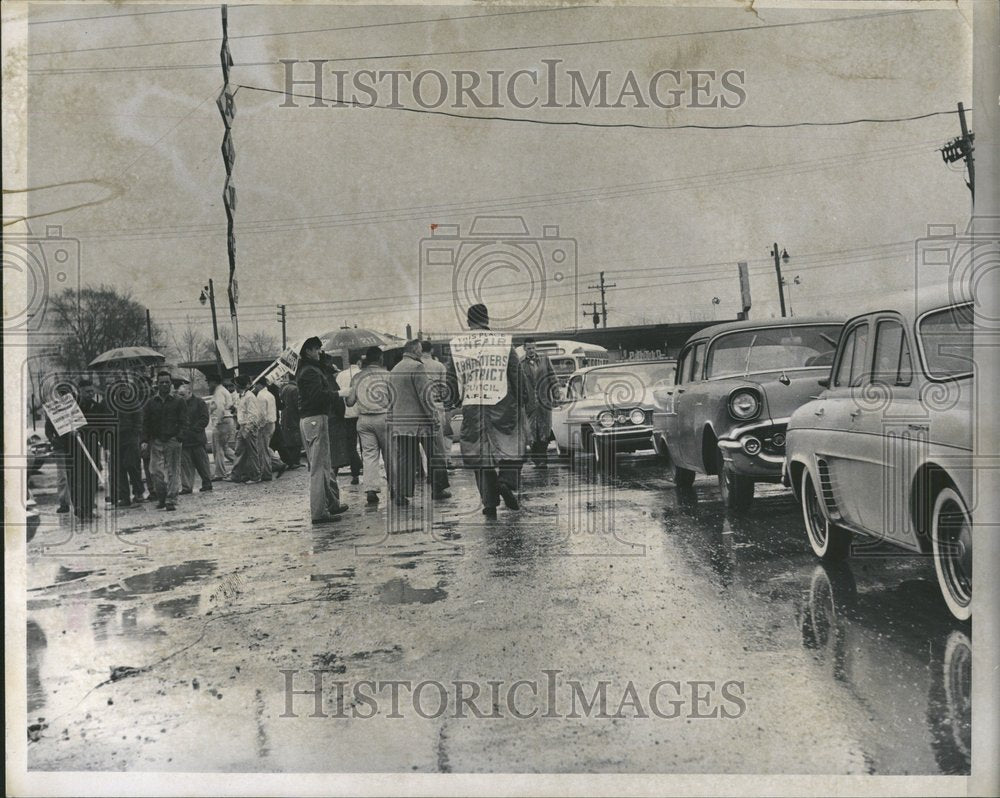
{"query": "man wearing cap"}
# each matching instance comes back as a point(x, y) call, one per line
point(163, 425)
point(486, 379)
point(249, 418)
point(318, 399)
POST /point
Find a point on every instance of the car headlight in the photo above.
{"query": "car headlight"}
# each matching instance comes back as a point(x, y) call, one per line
point(744, 405)
point(606, 418)
point(637, 416)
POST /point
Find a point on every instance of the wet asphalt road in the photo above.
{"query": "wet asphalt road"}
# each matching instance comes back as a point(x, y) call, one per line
point(166, 641)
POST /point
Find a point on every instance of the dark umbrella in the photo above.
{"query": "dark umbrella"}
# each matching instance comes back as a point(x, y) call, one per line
point(125, 356)
point(357, 339)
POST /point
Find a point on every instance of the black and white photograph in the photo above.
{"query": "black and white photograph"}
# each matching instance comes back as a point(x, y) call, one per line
point(492, 398)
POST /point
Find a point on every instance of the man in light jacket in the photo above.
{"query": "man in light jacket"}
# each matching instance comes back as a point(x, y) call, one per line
point(413, 422)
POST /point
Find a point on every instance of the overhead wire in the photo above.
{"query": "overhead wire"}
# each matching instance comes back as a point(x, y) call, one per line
point(512, 48)
point(308, 30)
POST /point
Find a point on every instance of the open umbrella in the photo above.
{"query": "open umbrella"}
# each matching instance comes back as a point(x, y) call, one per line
point(356, 339)
point(128, 356)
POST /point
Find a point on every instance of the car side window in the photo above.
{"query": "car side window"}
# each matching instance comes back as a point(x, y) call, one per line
point(892, 356)
point(573, 389)
point(853, 363)
point(683, 365)
point(697, 362)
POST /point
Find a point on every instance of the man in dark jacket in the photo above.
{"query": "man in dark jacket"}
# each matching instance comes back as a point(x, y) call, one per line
point(485, 378)
point(163, 425)
point(61, 455)
point(413, 421)
point(318, 399)
point(89, 440)
point(541, 378)
point(194, 451)
point(126, 466)
point(291, 437)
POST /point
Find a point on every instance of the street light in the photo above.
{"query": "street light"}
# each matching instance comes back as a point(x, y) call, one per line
point(795, 281)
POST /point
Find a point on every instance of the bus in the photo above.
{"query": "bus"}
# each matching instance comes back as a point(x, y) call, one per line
point(568, 356)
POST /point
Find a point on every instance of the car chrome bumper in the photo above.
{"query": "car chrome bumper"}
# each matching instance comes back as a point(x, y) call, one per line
point(640, 433)
point(761, 465)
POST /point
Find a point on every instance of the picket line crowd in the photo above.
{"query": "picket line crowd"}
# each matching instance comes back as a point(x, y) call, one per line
point(399, 417)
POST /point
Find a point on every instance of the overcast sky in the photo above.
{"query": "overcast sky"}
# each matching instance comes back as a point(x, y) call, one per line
point(334, 202)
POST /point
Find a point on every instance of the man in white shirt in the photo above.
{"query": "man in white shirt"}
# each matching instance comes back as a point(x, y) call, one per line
point(223, 424)
point(249, 418)
point(344, 377)
point(269, 460)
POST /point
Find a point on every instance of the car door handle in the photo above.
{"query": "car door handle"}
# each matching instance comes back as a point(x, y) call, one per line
point(855, 413)
point(819, 412)
point(918, 427)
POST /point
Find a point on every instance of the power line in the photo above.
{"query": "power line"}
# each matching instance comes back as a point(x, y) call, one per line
point(310, 309)
point(308, 30)
point(618, 125)
point(512, 48)
point(116, 16)
point(573, 196)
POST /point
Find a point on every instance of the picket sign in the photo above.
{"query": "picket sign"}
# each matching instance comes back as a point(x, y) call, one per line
point(67, 417)
point(285, 363)
point(480, 360)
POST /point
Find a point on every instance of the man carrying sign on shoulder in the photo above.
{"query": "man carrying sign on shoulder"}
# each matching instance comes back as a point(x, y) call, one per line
point(485, 378)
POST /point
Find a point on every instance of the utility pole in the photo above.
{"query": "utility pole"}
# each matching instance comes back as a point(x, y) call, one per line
point(962, 147)
point(592, 313)
point(604, 304)
point(209, 292)
point(281, 318)
point(149, 330)
point(226, 103)
point(777, 268)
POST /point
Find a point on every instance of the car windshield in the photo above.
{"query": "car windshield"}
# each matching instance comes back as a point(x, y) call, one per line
point(628, 379)
point(772, 349)
point(946, 341)
point(563, 365)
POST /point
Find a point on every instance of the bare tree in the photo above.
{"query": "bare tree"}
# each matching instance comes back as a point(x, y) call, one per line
point(259, 344)
point(93, 320)
point(188, 343)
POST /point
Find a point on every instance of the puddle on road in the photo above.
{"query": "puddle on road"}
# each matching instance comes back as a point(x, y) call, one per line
point(161, 580)
point(399, 591)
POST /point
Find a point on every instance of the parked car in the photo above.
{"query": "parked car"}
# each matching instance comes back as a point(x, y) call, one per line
point(39, 449)
point(886, 449)
point(736, 386)
point(609, 409)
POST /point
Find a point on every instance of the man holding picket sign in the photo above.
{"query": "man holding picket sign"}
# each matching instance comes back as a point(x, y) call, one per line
point(82, 446)
point(486, 379)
